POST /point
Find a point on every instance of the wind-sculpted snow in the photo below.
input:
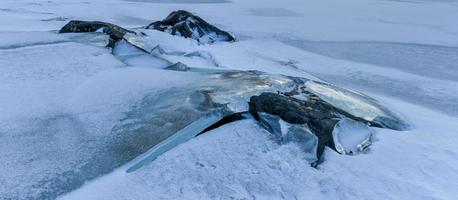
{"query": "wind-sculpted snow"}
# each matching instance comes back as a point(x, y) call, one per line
point(134, 56)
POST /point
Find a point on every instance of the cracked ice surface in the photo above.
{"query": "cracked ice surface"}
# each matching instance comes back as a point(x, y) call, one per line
point(101, 116)
point(165, 113)
point(356, 104)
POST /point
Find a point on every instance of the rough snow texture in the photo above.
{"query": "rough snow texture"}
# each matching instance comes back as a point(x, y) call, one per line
point(213, 166)
point(239, 160)
point(290, 37)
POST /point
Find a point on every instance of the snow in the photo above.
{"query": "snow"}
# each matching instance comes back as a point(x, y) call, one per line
point(240, 161)
point(42, 85)
point(36, 129)
point(17, 39)
point(426, 60)
point(62, 94)
point(220, 167)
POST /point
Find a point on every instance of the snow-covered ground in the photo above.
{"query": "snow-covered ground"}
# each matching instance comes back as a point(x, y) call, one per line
point(61, 95)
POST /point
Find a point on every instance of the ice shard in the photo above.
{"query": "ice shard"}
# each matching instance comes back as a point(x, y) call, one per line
point(351, 137)
point(133, 56)
point(285, 133)
point(171, 48)
point(357, 105)
point(175, 115)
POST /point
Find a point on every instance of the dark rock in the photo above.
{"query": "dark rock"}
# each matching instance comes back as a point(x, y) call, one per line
point(316, 114)
point(115, 32)
point(184, 23)
point(354, 105)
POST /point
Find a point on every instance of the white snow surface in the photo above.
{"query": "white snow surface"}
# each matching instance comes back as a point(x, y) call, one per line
point(61, 92)
point(238, 161)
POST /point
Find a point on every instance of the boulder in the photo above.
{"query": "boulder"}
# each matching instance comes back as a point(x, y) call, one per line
point(185, 24)
point(115, 32)
point(319, 116)
point(292, 120)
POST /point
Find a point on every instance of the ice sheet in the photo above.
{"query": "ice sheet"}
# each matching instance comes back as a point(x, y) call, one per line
point(357, 105)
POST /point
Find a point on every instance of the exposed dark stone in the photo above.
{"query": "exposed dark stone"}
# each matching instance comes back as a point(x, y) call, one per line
point(115, 32)
point(384, 118)
point(184, 23)
point(315, 113)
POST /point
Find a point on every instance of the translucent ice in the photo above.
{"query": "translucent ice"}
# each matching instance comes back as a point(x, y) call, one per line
point(357, 105)
point(285, 133)
point(350, 136)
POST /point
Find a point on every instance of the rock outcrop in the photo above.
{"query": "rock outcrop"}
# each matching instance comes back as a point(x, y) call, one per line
point(316, 114)
point(294, 120)
point(115, 32)
point(185, 24)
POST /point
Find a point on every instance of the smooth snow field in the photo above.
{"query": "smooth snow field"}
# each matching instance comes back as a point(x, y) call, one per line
point(63, 96)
